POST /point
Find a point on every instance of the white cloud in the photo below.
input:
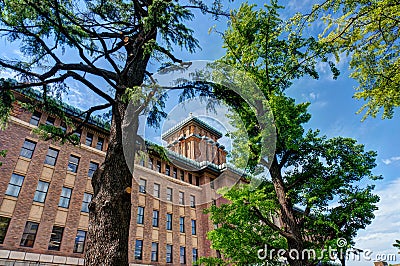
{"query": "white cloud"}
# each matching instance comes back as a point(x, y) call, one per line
point(391, 160)
point(384, 230)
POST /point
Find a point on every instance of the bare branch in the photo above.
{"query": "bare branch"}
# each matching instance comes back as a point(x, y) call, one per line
point(169, 54)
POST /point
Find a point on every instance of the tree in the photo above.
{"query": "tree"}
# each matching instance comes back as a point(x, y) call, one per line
point(397, 244)
point(105, 46)
point(312, 194)
point(368, 32)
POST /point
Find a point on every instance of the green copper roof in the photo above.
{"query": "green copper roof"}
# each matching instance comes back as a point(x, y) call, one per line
point(68, 109)
point(186, 121)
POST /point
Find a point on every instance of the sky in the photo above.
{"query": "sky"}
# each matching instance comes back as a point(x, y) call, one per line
point(333, 111)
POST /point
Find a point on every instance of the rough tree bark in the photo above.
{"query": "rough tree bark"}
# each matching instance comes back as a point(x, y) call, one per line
point(110, 208)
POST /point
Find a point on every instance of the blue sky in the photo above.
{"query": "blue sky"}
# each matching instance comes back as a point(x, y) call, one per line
point(333, 112)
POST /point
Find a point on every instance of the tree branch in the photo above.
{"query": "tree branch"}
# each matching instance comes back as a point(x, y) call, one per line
point(273, 226)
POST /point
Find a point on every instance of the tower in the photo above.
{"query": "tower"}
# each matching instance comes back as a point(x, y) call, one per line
point(196, 140)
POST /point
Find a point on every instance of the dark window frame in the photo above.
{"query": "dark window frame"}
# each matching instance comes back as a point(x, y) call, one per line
point(170, 196)
point(89, 139)
point(169, 253)
point(35, 118)
point(65, 198)
point(168, 224)
point(181, 198)
point(195, 255)
point(41, 191)
point(139, 249)
point(100, 143)
point(156, 215)
point(142, 185)
point(51, 159)
point(50, 121)
point(72, 164)
point(182, 224)
point(194, 229)
point(140, 215)
point(182, 255)
point(28, 236)
point(156, 192)
point(4, 224)
point(92, 169)
point(56, 238)
point(87, 198)
point(15, 186)
point(79, 245)
point(192, 201)
point(154, 251)
point(26, 150)
point(159, 166)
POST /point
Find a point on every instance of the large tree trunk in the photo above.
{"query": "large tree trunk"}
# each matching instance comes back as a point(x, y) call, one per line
point(288, 217)
point(110, 208)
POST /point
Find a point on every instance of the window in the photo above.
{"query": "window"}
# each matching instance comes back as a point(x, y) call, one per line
point(214, 202)
point(87, 198)
point(169, 254)
point(155, 218)
point(27, 149)
point(167, 170)
point(190, 178)
point(212, 184)
point(142, 186)
point(89, 139)
point(169, 194)
point(29, 235)
point(182, 255)
point(192, 201)
point(35, 118)
point(51, 157)
point(63, 127)
point(154, 251)
point(14, 187)
point(156, 191)
point(181, 198)
point(159, 166)
point(197, 181)
point(169, 221)
point(100, 143)
point(50, 121)
point(195, 255)
point(140, 215)
point(4, 222)
point(141, 162)
point(80, 238)
point(175, 173)
point(73, 163)
point(182, 175)
point(138, 249)
point(193, 227)
point(182, 224)
point(65, 197)
point(55, 238)
point(150, 164)
point(78, 134)
point(92, 168)
point(41, 191)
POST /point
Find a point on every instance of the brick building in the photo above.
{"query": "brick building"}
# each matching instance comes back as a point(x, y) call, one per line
point(45, 189)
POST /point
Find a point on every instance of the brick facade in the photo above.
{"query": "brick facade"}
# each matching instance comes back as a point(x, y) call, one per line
point(23, 208)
